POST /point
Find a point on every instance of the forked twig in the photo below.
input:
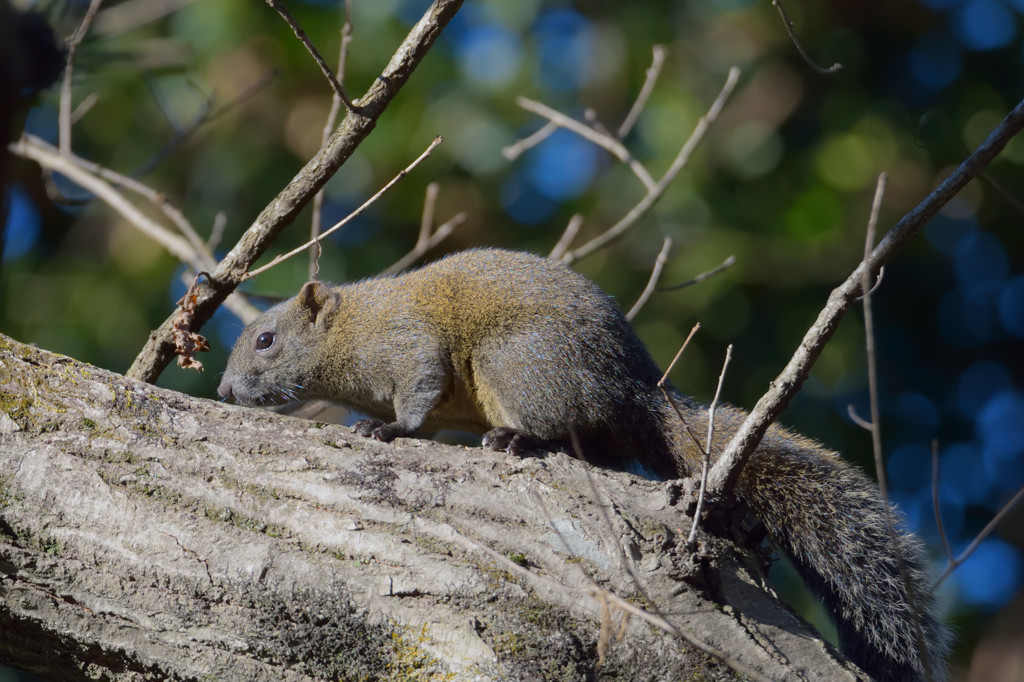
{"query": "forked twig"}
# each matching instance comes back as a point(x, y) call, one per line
point(652, 196)
point(601, 139)
point(662, 384)
point(428, 237)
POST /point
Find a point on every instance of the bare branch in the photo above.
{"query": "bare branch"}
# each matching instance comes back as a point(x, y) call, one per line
point(800, 48)
point(158, 199)
point(936, 468)
point(671, 399)
point(283, 209)
point(339, 91)
point(51, 158)
point(351, 216)
point(573, 226)
point(705, 460)
point(603, 140)
point(707, 274)
point(657, 59)
point(860, 421)
point(652, 282)
point(64, 116)
point(514, 151)
point(671, 365)
point(641, 209)
point(985, 532)
point(332, 120)
point(420, 249)
point(747, 437)
point(83, 107)
point(131, 14)
point(427, 217)
point(876, 428)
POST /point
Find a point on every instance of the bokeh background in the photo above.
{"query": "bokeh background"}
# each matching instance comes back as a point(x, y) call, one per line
point(783, 181)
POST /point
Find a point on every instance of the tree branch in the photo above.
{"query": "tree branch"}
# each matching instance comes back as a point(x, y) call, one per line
point(747, 437)
point(159, 350)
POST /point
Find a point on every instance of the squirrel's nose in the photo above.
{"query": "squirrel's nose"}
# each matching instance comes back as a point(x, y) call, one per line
point(224, 390)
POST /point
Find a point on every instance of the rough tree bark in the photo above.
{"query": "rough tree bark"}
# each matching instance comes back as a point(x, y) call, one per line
point(146, 534)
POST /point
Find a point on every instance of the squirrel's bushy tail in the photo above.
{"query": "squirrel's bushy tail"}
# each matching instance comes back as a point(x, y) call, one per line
point(830, 520)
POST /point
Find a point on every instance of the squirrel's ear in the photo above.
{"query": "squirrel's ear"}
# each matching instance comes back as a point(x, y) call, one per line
point(313, 298)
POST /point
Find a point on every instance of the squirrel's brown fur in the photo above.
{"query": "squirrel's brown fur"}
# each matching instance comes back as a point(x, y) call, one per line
point(520, 347)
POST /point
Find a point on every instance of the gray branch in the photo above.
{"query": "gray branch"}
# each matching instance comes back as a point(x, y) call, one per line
point(145, 534)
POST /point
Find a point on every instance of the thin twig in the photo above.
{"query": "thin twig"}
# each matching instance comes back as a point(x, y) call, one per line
point(515, 150)
point(876, 429)
point(662, 384)
point(604, 140)
point(860, 421)
point(220, 221)
point(800, 48)
point(573, 226)
point(427, 217)
point(645, 204)
point(936, 468)
point(706, 459)
point(657, 59)
point(351, 216)
point(671, 365)
point(332, 121)
point(65, 89)
point(132, 14)
point(707, 274)
point(985, 532)
point(83, 107)
point(435, 238)
point(652, 282)
point(878, 282)
point(745, 440)
point(304, 39)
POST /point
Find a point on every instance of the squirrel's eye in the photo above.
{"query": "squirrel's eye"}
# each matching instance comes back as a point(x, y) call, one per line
point(265, 340)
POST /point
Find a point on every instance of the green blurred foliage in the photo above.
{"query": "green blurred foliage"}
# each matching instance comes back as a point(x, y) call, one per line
point(783, 180)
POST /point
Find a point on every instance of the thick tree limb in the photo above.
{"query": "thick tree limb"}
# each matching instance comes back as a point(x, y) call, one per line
point(145, 534)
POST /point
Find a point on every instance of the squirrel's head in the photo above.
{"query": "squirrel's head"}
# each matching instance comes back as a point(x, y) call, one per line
point(274, 359)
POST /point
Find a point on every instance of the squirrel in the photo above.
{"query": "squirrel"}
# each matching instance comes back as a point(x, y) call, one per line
point(518, 347)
